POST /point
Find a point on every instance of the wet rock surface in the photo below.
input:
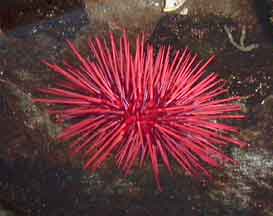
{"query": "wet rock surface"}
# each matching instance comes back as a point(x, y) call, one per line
point(112, 15)
point(39, 178)
point(241, 11)
point(16, 13)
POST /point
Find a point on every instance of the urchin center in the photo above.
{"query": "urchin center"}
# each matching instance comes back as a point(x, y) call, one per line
point(143, 114)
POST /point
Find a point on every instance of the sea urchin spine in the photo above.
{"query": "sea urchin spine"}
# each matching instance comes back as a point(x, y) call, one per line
point(143, 104)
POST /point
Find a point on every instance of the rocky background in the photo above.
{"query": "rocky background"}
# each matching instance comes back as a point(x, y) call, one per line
point(36, 175)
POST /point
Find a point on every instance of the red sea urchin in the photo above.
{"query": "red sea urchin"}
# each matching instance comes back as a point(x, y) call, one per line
point(143, 105)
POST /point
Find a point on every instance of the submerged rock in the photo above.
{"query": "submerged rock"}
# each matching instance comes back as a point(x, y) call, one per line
point(241, 11)
point(134, 15)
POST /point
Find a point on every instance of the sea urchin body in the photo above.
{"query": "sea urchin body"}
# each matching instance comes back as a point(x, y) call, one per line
point(143, 105)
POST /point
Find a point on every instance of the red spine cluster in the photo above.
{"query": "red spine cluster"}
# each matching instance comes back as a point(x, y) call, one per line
point(143, 105)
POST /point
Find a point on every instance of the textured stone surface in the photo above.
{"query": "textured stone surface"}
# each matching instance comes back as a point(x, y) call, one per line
point(134, 15)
